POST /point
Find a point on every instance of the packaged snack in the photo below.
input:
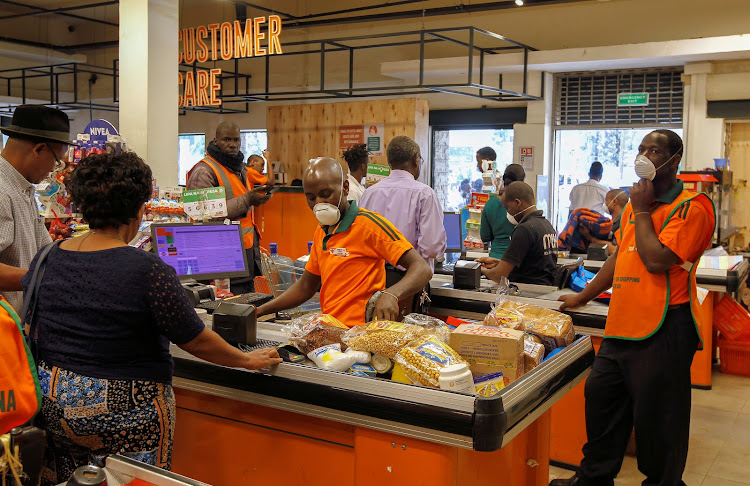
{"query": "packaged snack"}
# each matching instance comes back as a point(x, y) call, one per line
point(488, 385)
point(533, 353)
point(555, 329)
point(313, 331)
point(360, 357)
point(367, 370)
point(331, 358)
point(382, 337)
point(435, 325)
point(423, 359)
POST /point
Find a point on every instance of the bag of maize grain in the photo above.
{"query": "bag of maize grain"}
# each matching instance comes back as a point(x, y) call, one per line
point(313, 331)
point(423, 359)
point(382, 337)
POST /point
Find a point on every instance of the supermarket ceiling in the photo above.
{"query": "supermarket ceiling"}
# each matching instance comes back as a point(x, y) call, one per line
point(81, 25)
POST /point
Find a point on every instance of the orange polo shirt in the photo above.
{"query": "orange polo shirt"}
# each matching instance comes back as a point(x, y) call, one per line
point(351, 262)
point(255, 177)
point(684, 234)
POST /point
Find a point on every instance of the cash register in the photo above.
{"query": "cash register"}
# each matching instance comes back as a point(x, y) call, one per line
point(201, 252)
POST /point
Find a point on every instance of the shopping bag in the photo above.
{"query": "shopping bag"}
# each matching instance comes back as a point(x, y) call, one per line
point(20, 395)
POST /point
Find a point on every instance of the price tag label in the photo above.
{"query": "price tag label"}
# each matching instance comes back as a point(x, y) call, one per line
point(209, 203)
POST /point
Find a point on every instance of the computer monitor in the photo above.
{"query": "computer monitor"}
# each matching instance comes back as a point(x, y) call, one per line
point(452, 225)
point(201, 251)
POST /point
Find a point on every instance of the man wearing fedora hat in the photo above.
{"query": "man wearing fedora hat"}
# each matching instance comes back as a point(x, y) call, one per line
point(38, 138)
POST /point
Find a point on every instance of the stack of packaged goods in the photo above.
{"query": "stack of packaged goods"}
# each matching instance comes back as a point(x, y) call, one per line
point(477, 358)
point(165, 205)
point(473, 239)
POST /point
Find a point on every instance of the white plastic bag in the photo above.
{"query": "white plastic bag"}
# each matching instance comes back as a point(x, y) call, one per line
point(331, 358)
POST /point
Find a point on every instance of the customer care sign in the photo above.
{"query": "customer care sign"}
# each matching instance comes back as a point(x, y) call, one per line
point(222, 42)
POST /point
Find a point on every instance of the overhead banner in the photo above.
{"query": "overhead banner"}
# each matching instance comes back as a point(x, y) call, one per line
point(222, 42)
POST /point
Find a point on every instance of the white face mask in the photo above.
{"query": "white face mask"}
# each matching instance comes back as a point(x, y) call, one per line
point(645, 169)
point(327, 213)
point(513, 219)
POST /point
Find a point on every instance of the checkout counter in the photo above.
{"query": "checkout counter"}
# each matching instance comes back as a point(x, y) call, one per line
point(315, 427)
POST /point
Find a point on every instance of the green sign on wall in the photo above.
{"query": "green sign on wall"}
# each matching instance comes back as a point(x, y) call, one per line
point(632, 99)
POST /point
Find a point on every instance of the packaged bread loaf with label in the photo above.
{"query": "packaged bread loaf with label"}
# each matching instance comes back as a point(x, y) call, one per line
point(533, 352)
point(555, 329)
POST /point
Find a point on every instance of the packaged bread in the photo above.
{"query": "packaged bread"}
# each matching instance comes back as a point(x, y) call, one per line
point(533, 352)
point(436, 326)
point(313, 331)
point(499, 317)
point(553, 328)
point(383, 337)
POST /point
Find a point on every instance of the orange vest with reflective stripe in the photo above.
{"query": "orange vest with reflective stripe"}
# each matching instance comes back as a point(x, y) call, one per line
point(234, 187)
point(20, 395)
point(640, 299)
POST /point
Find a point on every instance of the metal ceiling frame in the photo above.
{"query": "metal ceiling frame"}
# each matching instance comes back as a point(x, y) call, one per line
point(62, 11)
point(473, 87)
point(83, 73)
point(308, 21)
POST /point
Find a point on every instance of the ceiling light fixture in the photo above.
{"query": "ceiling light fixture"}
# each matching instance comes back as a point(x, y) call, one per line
point(519, 3)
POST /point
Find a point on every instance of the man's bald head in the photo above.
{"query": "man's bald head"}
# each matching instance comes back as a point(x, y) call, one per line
point(520, 191)
point(324, 169)
point(224, 126)
point(619, 196)
point(324, 181)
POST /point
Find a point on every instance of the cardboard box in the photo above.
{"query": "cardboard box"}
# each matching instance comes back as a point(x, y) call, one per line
point(490, 349)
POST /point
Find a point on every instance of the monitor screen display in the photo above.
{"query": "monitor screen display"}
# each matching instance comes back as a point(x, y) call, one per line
point(201, 251)
point(452, 225)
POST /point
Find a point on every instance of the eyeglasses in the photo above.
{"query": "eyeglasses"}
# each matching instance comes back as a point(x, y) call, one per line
point(58, 163)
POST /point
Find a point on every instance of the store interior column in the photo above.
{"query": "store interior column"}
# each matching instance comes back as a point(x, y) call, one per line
point(148, 85)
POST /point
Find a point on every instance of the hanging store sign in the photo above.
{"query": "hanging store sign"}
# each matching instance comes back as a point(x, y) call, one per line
point(632, 99)
point(222, 42)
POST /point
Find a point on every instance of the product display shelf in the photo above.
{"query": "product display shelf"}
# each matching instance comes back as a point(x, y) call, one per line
point(313, 423)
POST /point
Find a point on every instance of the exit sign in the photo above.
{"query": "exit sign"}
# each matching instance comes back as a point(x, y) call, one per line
point(632, 99)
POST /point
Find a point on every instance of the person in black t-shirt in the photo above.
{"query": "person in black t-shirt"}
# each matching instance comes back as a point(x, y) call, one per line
point(532, 255)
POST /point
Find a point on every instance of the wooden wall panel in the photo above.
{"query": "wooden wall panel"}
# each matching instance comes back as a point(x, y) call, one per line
point(298, 133)
point(739, 157)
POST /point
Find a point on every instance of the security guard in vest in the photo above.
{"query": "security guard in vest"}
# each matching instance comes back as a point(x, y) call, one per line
point(641, 376)
point(224, 166)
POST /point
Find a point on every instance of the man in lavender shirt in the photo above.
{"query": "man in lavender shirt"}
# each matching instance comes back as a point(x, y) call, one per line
point(411, 206)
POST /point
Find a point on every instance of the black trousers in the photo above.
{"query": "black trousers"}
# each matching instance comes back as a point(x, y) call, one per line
point(646, 385)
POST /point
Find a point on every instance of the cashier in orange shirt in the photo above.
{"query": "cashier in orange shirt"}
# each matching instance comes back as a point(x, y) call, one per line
point(347, 259)
point(255, 166)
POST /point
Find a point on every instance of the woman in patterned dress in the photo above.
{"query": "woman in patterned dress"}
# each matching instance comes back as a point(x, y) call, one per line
point(106, 313)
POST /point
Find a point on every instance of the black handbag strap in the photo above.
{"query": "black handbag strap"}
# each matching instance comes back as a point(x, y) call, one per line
point(30, 297)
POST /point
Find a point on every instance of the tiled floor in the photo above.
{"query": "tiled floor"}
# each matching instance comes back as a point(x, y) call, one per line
point(719, 438)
